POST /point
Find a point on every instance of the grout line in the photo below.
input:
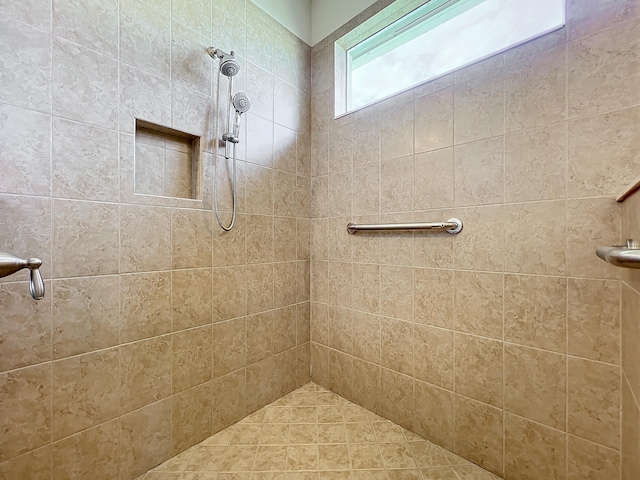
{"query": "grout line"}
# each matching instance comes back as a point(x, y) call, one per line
point(634, 396)
point(460, 332)
point(119, 351)
point(566, 246)
point(470, 398)
point(163, 335)
point(504, 383)
point(620, 360)
point(171, 239)
point(51, 239)
point(453, 319)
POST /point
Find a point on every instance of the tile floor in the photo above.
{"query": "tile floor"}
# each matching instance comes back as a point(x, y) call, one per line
point(314, 434)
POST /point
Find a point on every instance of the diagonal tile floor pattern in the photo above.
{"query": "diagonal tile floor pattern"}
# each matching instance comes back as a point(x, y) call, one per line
point(314, 434)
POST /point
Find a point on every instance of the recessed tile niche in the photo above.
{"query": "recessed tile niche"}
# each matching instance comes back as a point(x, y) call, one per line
point(167, 162)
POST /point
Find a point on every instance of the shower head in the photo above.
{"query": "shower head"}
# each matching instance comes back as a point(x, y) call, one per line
point(228, 64)
point(229, 67)
point(241, 102)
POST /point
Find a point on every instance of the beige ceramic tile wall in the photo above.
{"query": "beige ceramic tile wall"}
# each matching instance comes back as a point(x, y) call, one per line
point(503, 342)
point(631, 349)
point(157, 329)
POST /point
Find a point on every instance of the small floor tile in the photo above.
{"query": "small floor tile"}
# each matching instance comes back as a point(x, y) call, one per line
point(314, 434)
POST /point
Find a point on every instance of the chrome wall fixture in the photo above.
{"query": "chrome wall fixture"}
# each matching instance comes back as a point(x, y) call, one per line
point(239, 103)
point(625, 256)
point(453, 226)
point(10, 264)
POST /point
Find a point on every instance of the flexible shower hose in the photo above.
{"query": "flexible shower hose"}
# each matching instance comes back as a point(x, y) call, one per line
point(216, 209)
point(233, 192)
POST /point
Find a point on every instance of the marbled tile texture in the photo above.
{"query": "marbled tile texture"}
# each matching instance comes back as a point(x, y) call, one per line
point(504, 342)
point(151, 335)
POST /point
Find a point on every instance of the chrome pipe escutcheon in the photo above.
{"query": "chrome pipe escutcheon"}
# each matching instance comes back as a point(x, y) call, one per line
point(10, 264)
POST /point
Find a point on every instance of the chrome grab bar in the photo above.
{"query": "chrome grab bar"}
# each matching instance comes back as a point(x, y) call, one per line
point(453, 226)
point(625, 256)
point(10, 264)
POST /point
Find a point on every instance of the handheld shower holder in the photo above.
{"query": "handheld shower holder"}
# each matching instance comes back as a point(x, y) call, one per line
point(10, 264)
point(230, 137)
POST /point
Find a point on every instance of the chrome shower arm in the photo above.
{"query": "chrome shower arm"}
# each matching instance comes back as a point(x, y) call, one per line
point(10, 264)
point(219, 54)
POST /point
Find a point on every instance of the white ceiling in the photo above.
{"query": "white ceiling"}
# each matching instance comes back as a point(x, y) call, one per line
point(328, 15)
point(313, 20)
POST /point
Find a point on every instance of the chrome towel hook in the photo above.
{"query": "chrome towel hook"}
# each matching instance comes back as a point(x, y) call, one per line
point(10, 264)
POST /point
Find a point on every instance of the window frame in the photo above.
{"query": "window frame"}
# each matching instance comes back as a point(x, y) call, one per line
point(401, 13)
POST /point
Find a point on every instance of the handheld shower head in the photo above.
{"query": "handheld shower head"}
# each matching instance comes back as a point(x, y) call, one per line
point(241, 103)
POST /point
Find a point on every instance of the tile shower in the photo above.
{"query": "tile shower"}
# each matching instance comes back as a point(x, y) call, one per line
point(155, 325)
point(502, 344)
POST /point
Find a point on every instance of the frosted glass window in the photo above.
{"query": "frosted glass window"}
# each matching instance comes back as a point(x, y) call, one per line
point(439, 37)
